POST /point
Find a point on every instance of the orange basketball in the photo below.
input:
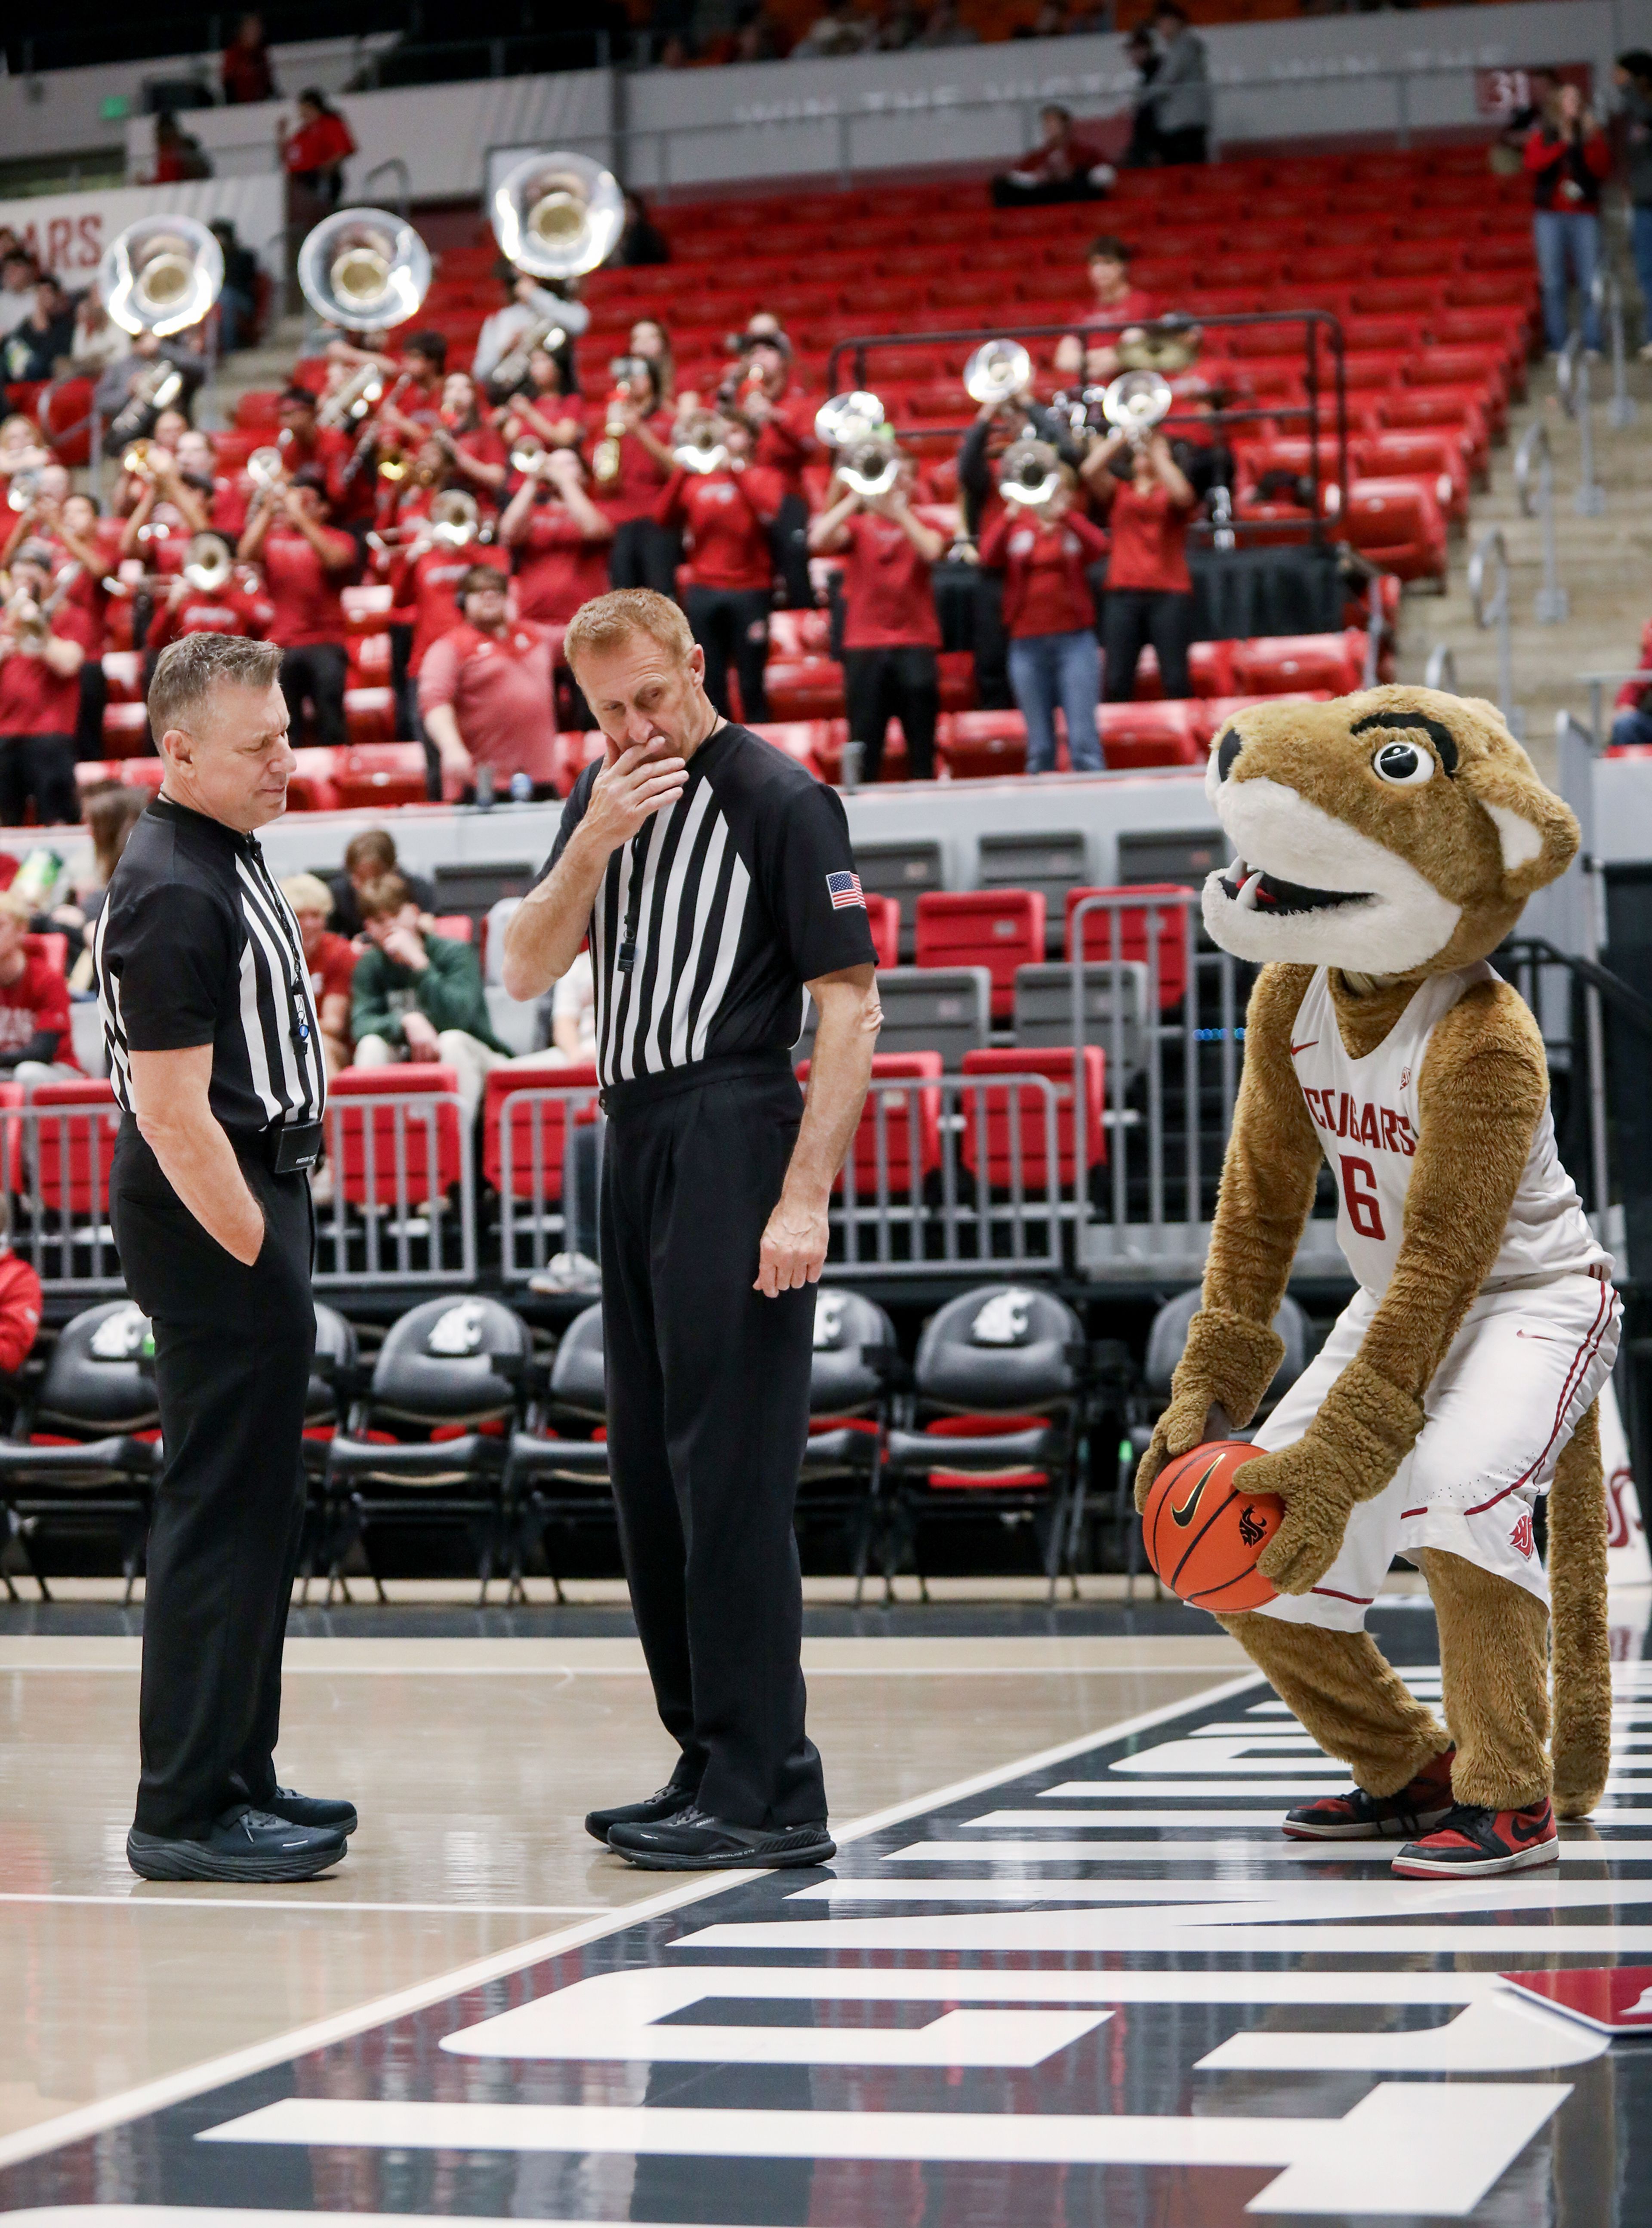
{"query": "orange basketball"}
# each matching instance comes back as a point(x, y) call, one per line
point(1204, 1532)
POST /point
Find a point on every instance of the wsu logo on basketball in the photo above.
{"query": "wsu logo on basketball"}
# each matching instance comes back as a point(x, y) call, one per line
point(1250, 1531)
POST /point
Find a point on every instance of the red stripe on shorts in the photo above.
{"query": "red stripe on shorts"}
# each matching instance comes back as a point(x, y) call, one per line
point(1580, 1361)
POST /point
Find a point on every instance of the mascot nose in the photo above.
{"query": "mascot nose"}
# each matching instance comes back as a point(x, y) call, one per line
point(1227, 751)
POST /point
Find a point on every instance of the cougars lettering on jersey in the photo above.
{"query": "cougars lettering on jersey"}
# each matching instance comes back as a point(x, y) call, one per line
point(1368, 1116)
point(1341, 1115)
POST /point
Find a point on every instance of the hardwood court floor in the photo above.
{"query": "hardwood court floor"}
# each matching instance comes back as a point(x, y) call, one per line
point(472, 1763)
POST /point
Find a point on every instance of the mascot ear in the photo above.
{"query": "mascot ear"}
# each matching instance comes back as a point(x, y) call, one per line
point(1537, 832)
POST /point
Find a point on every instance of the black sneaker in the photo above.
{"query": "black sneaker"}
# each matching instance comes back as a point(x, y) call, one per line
point(664, 1802)
point(331, 1812)
point(244, 1844)
point(1473, 1841)
point(692, 1841)
point(1357, 1817)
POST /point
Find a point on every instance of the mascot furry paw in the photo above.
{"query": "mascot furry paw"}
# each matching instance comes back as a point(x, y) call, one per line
point(1386, 845)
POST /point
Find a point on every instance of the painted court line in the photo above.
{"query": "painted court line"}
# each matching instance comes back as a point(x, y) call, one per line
point(314, 1899)
point(960, 1670)
point(256, 2058)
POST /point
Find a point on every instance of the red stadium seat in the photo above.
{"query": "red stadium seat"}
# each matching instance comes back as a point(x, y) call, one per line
point(380, 773)
point(1480, 371)
point(123, 675)
point(957, 677)
point(370, 1169)
point(142, 773)
point(1436, 458)
point(538, 1126)
point(798, 738)
point(312, 788)
point(800, 634)
point(72, 1144)
point(1211, 666)
point(804, 688)
point(974, 744)
point(1133, 934)
point(907, 1157)
point(1154, 734)
point(1454, 408)
point(1272, 665)
point(126, 730)
point(63, 413)
point(1399, 526)
point(883, 917)
point(999, 929)
point(1029, 1116)
point(258, 409)
point(370, 715)
point(458, 927)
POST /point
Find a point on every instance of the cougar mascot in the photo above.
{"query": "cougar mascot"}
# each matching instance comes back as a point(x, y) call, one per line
point(1386, 844)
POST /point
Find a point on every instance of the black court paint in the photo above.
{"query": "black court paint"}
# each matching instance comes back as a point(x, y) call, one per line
point(1170, 2016)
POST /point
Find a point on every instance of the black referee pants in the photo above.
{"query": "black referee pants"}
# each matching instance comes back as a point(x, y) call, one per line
point(708, 1419)
point(901, 682)
point(233, 1352)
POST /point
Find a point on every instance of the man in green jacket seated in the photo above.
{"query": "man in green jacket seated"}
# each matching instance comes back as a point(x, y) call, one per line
point(416, 996)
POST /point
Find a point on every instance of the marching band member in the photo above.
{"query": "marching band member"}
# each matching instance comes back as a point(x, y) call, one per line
point(1050, 617)
point(305, 561)
point(1149, 504)
point(727, 514)
point(537, 409)
point(43, 643)
point(529, 303)
point(475, 452)
point(209, 597)
point(782, 418)
point(892, 632)
point(631, 464)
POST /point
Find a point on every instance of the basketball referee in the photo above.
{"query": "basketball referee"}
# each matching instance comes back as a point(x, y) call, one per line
point(715, 878)
point(214, 1054)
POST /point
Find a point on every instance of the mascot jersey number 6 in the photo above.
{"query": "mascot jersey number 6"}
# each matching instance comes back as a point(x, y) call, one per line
point(1386, 843)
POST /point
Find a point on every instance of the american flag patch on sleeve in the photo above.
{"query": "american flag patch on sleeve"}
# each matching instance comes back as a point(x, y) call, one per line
point(844, 890)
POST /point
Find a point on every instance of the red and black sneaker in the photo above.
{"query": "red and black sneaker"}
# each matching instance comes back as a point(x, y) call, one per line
point(1357, 1817)
point(1473, 1840)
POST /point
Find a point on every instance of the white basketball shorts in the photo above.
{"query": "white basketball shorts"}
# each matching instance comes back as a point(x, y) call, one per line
point(1516, 1381)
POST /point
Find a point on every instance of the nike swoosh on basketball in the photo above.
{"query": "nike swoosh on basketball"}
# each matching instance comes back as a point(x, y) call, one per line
point(1308, 1046)
point(1183, 1515)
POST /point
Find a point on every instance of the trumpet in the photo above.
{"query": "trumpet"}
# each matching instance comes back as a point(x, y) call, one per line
point(27, 621)
point(871, 467)
point(208, 563)
point(1134, 404)
point(1029, 475)
point(161, 275)
point(362, 268)
point(702, 451)
point(353, 400)
point(24, 491)
point(557, 216)
point(529, 455)
point(997, 372)
point(455, 521)
point(267, 469)
point(138, 461)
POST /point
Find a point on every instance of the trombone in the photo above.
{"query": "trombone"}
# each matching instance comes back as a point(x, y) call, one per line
point(363, 269)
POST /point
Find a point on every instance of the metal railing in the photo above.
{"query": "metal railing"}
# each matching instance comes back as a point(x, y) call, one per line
point(57, 1159)
point(1491, 556)
point(403, 1204)
point(1441, 671)
point(1534, 487)
point(1597, 684)
point(395, 169)
point(1607, 295)
point(549, 1176)
point(1571, 377)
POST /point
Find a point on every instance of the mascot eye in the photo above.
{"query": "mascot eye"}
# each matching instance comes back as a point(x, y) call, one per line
point(1403, 764)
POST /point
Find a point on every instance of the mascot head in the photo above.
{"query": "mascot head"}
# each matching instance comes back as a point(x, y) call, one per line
point(1396, 832)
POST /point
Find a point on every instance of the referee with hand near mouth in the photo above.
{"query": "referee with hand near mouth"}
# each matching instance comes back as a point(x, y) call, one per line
point(216, 1057)
point(715, 879)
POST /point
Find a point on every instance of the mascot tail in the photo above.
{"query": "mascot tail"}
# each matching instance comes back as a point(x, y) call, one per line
point(1581, 1648)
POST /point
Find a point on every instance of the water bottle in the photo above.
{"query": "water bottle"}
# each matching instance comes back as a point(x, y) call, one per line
point(484, 786)
point(521, 788)
point(854, 759)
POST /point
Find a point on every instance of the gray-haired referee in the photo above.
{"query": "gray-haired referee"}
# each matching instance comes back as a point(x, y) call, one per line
point(715, 878)
point(214, 1054)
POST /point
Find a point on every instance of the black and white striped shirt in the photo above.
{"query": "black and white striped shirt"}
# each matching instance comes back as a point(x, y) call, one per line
point(196, 945)
point(733, 897)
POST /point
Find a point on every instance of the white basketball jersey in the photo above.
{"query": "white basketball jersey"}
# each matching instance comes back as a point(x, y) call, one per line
point(1365, 1112)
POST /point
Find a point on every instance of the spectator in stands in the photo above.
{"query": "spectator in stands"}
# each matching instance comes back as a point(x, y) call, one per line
point(1180, 89)
point(726, 515)
point(419, 996)
point(238, 302)
point(97, 341)
point(1144, 147)
point(179, 155)
point(20, 1299)
point(892, 632)
point(1633, 77)
point(1050, 617)
point(368, 858)
point(110, 816)
point(629, 471)
point(839, 30)
point(306, 562)
point(314, 155)
point(557, 538)
point(34, 350)
point(487, 692)
point(37, 1045)
point(530, 306)
point(1568, 159)
point(1112, 298)
point(640, 242)
point(19, 276)
point(330, 959)
point(1060, 168)
point(41, 655)
point(21, 450)
point(1148, 503)
point(245, 72)
point(945, 28)
point(782, 418)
